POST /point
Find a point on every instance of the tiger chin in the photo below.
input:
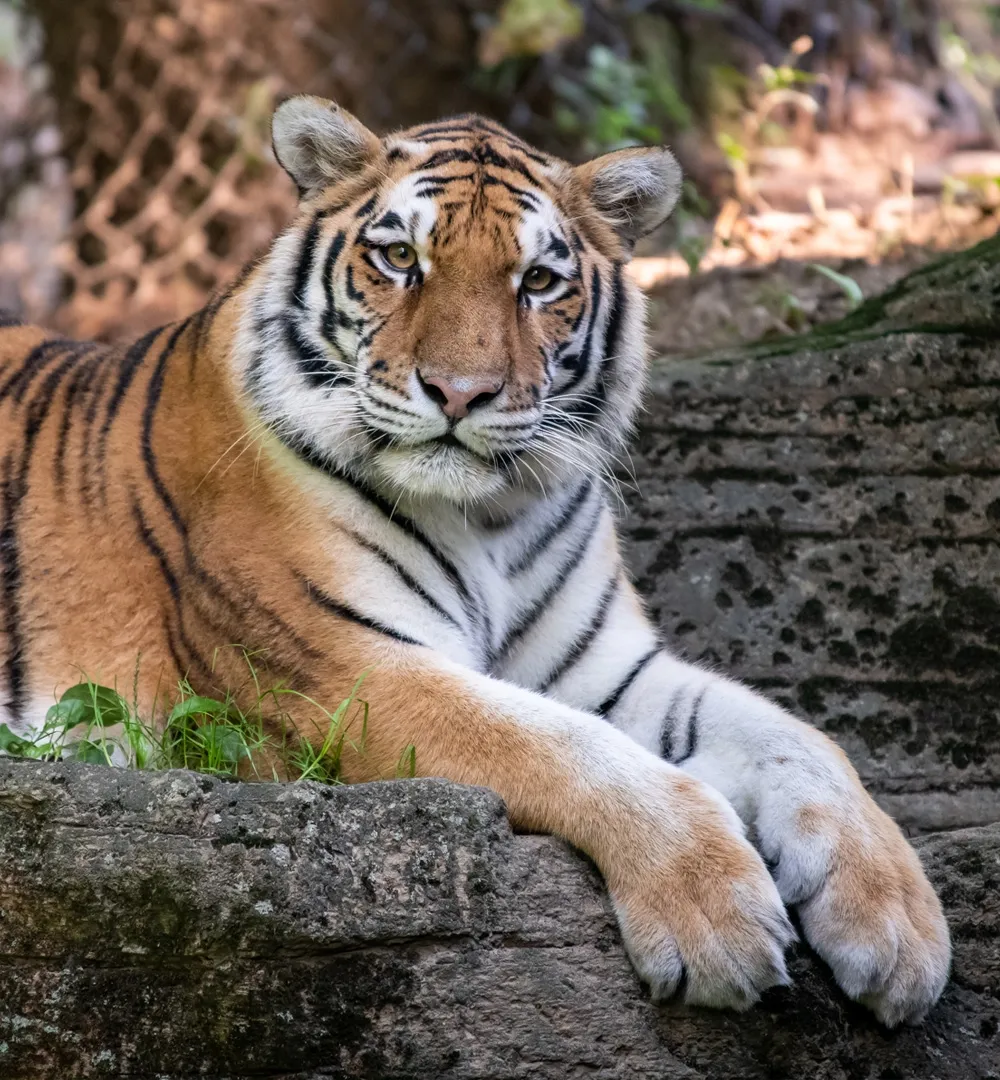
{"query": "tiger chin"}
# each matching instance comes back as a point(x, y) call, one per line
point(381, 450)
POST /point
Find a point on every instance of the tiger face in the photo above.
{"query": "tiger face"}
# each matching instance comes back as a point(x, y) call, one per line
point(448, 315)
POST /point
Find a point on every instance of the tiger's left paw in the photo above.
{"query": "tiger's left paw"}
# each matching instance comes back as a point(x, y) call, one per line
point(868, 909)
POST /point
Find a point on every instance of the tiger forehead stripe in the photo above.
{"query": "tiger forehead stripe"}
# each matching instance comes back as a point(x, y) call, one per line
point(479, 143)
point(409, 209)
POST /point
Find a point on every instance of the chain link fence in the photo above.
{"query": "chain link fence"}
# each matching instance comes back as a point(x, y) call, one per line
point(161, 110)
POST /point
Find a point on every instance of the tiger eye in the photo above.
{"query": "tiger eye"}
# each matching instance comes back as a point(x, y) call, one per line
point(401, 256)
point(537, 279)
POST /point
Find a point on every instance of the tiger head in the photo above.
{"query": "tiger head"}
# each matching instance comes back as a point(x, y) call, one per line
point(448, 314)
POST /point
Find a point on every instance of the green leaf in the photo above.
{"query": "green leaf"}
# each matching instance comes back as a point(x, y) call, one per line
point(91, 753)
point(13, 744)
point(68, 714)
point(105, 707)
point(228, 743)
point(851, 289)
point(206, 707)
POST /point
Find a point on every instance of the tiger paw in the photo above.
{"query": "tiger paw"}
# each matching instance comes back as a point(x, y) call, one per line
point(867, 909)
point(706, 921)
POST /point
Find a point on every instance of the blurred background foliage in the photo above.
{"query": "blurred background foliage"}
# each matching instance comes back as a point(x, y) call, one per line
point(136, 174)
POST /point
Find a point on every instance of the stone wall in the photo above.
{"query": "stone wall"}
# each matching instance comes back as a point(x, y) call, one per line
point(173, 926)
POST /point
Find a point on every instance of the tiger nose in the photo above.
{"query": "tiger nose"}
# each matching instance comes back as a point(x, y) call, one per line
point(457, 397)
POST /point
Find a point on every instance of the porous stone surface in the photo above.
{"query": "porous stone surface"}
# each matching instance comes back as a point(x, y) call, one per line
point(821, 516)
point(818, 515)
point(174, 926)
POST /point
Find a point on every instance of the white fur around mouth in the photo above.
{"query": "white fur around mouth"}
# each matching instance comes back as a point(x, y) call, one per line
point(446, 471)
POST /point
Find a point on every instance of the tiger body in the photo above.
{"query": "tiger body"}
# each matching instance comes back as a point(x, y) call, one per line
point(381, 451)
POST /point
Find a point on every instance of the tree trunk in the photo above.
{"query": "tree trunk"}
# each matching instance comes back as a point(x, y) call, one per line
point(819, 515)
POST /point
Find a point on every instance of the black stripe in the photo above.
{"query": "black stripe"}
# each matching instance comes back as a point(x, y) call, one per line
point(439, 182)
point(519, 146)
point(78, 386)
point(377, 325)
point(405, 576)
point(303, 269)
point(10, 586)
point(149, 540)
point(444, 128)
point(153, 391)
point(175, 655)
point(481, 154)
point(435, 139)
point(312, 363)
point(591, 404)
point(680, 993)
point(13, 491)
point(8, 318)
point(330, 314)
point(585, 352)
point(445, 157)
point(489, 156)
point(31, 366)
point(586, 639)
point(390, 408)
point(128, 367)
point(344, 612)
point(366, 207)
point(440, 178)
point(391, 220)
point(353, 292)
point(545, 540)
point(152, 545)
point(130, 364)
point(610, 703)
point(522, 194)
point(106, 366)
point(474, 608)
point(692, 731)
point(570, 563)
point(560, 351)
point(615, 316)
point(669, 722)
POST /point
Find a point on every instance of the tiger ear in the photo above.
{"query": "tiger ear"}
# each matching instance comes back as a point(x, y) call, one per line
point(634, 190)
point(318, 143)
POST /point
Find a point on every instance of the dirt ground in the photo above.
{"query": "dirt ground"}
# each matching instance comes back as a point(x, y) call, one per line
point(727, 306)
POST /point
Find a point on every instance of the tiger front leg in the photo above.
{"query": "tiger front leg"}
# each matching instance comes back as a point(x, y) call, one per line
point(864, 902)
point(694, 899)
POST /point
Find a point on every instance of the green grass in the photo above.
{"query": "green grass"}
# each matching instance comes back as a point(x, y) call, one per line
point(97, 724)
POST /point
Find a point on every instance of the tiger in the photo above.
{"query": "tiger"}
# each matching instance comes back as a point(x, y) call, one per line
point(384, 449)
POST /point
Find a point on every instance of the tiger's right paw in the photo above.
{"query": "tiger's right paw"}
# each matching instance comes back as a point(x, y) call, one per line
point(703, 914)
